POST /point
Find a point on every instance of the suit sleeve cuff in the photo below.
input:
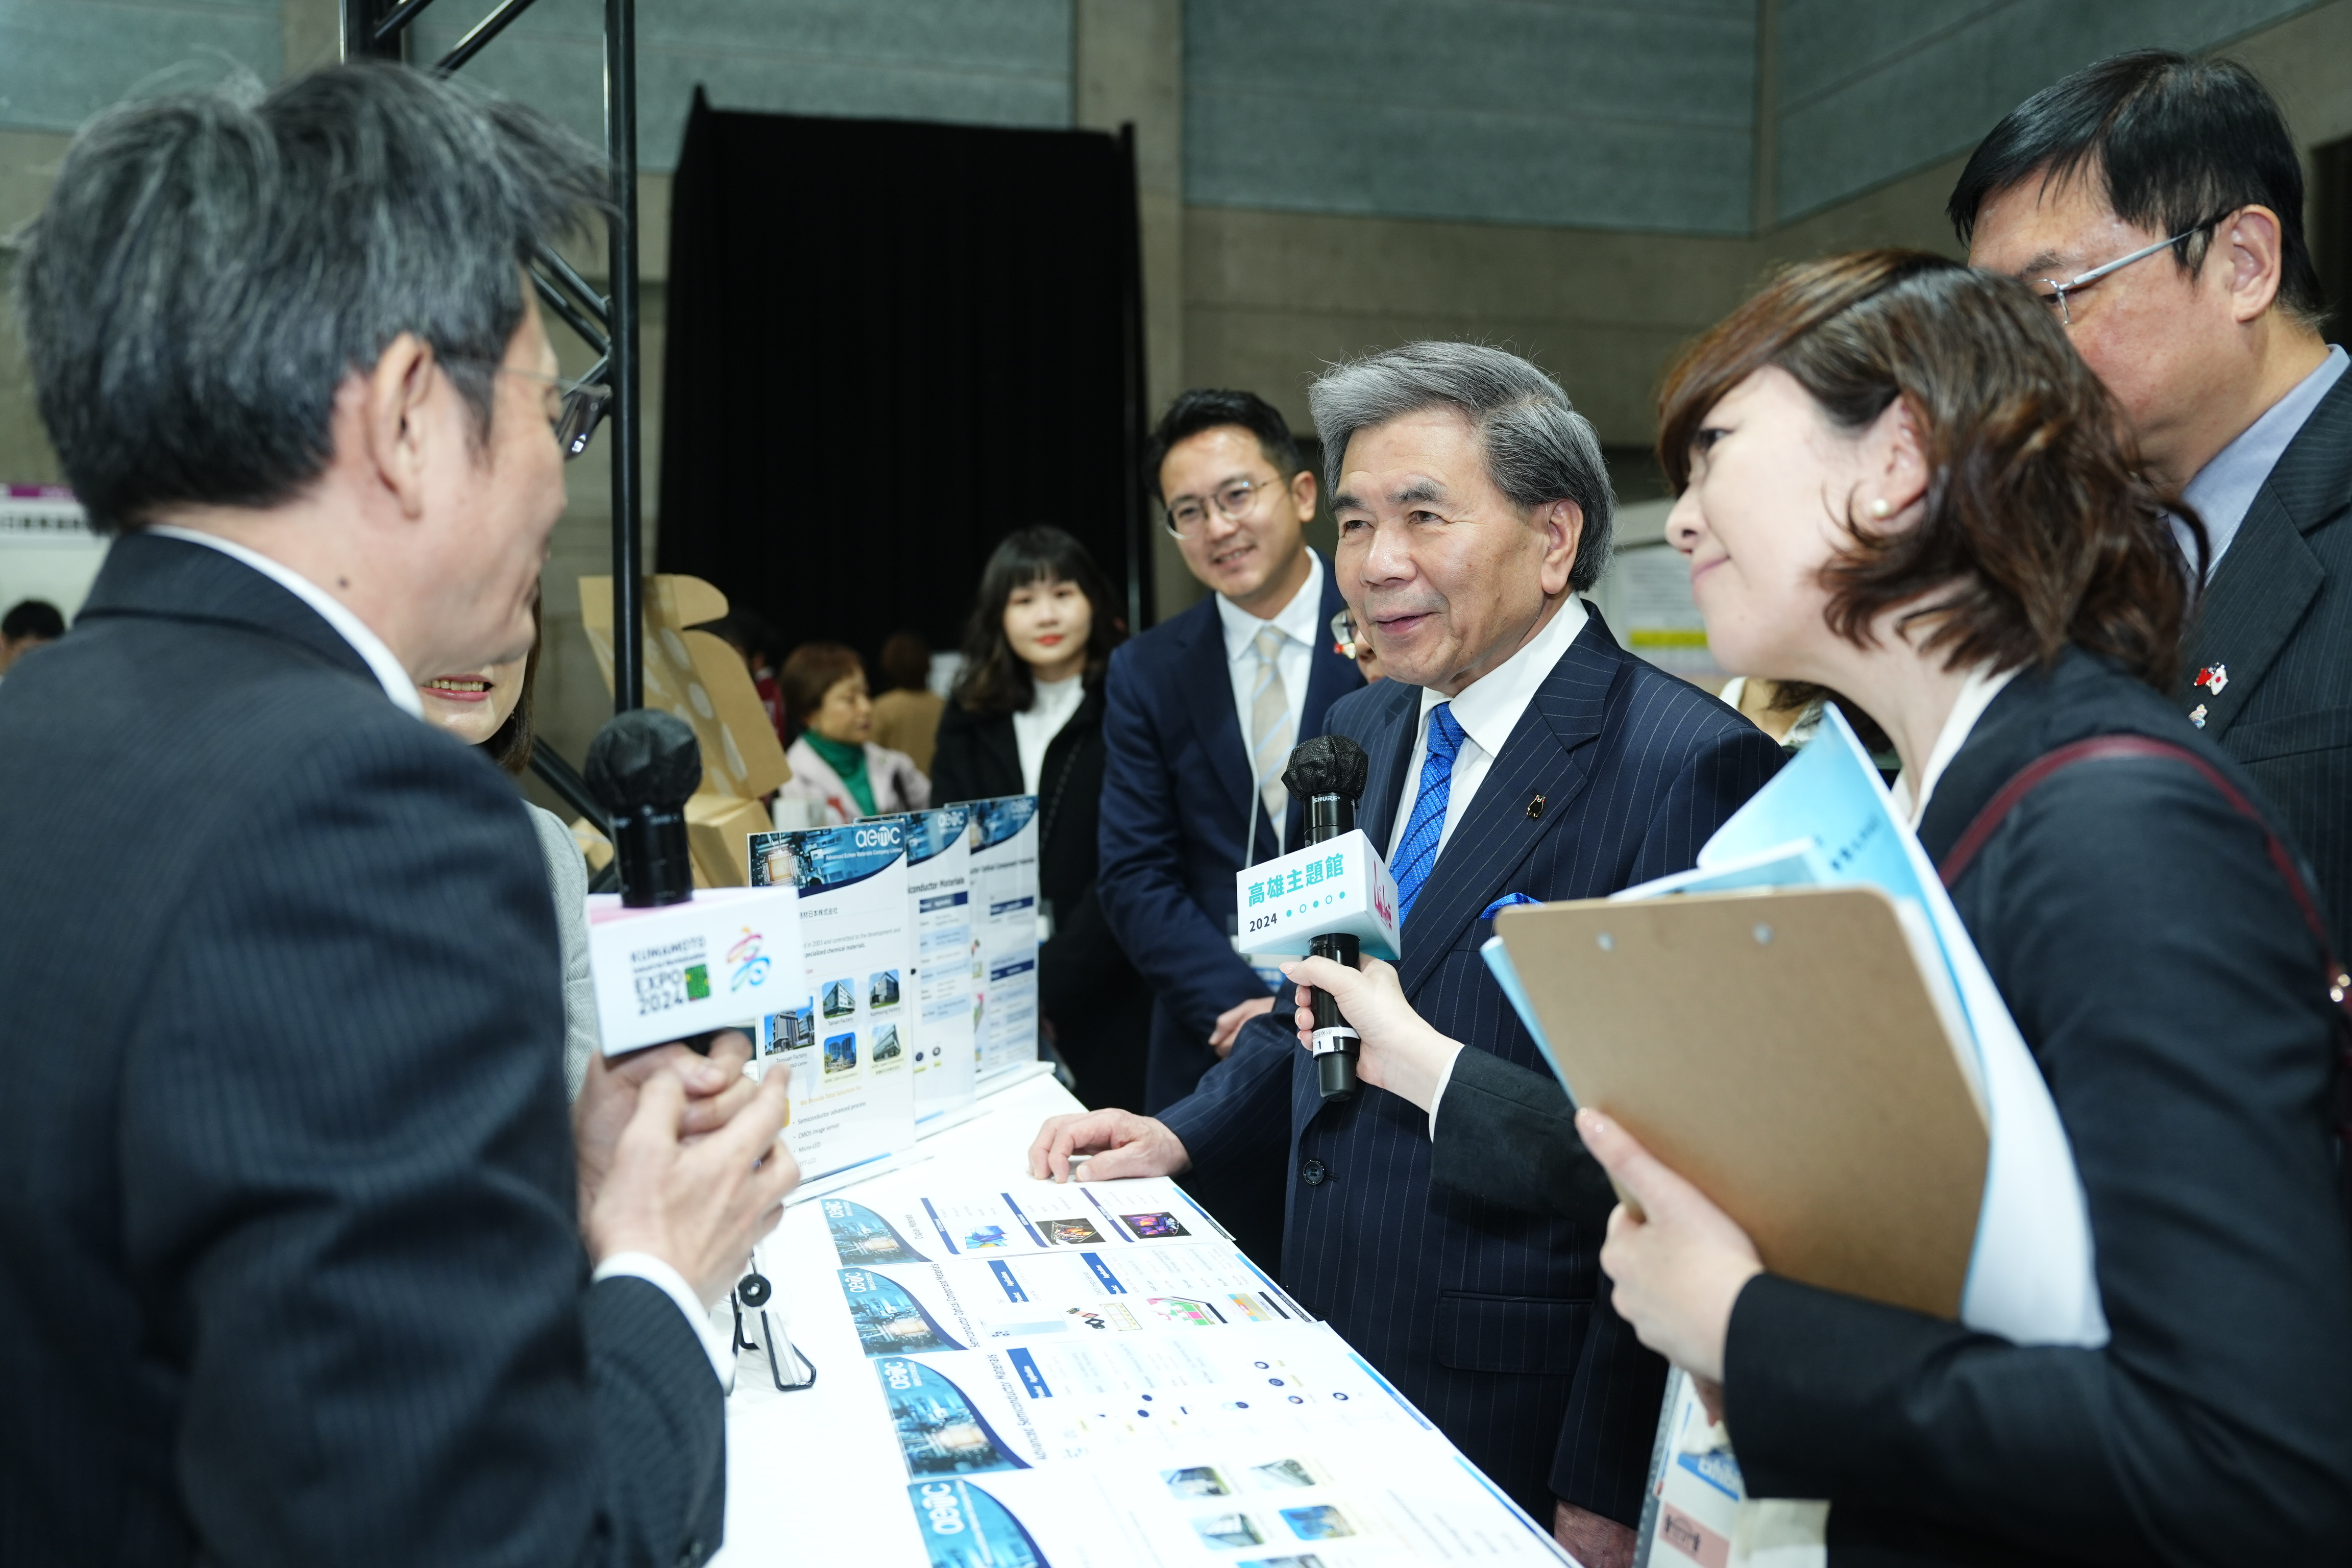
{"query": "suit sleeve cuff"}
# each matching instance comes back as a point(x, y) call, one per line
point(645, 1266)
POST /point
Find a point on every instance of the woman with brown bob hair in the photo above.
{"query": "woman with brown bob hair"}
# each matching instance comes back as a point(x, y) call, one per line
point(1897, 480)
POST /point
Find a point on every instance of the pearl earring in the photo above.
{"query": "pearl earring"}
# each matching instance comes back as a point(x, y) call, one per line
point(1879, 506)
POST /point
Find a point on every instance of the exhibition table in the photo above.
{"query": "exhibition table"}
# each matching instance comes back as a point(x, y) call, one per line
point(1014, 1373)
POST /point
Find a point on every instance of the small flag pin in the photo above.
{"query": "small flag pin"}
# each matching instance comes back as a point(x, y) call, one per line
point(1535, 808)
point(2212, 678)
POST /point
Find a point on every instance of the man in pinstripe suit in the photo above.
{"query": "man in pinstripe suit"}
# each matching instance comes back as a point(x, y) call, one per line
point(1518, 749)
point(290, 1221)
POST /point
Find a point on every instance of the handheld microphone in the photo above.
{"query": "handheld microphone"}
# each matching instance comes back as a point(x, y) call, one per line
point(643, 765)
point(1327, 773)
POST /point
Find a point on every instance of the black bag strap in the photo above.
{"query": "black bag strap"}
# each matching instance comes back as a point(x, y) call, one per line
point(2103, 748)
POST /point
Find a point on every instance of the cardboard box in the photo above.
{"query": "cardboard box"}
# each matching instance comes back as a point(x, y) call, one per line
point(702, 680)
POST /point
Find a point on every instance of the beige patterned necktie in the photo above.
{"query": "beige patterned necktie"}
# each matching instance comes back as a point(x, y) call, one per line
point(1270, 727)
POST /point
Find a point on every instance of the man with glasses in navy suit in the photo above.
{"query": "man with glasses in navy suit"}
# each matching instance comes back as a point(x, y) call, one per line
point(1200, 717)
point(1517, 751)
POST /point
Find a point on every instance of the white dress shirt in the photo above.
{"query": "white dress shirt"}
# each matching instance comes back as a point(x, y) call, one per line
point(1034, 728)
point(1489, 709)
point(397, 685)
point(2225, 489)
point(1977, 693)
point(1296, 623)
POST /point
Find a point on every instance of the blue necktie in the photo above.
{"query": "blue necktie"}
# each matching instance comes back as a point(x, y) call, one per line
point(1417, 850)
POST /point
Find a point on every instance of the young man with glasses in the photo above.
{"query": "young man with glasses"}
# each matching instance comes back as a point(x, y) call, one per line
point(1200, 716)
point(2215, 355)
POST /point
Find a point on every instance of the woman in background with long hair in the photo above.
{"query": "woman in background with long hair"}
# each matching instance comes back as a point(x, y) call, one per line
point(1026, 718)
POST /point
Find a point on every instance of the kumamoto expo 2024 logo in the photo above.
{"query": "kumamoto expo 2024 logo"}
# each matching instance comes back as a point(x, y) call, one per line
point(750, 965)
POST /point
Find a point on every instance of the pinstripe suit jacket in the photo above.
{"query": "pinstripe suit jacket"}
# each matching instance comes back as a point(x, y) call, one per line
point(288, 1269)
point(2277, 617)
point(1493, 1321)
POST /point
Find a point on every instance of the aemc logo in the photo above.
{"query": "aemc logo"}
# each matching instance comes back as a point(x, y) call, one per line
point(944, 1508)
point(882, 837)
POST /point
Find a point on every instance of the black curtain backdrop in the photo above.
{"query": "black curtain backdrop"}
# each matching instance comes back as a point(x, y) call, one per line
point(889, 345)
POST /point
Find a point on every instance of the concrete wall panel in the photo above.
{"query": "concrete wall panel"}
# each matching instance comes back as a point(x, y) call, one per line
point(61, 61)
point(1569, 112)
point(982, 62)
point(1870, 91)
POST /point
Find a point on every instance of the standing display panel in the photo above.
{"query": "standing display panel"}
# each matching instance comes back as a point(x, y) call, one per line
point(1005, 909)
point(944, 983)
point(845, 1035)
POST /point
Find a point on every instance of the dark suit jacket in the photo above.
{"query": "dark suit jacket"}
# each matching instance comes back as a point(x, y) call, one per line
point(1176, 808)
point(2278, 617)
point(2172, 994)
point(289, 1266)
point(1494, 1323)
point(1097, 1005)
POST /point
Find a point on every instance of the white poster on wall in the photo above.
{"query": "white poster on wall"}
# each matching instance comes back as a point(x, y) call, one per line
point(944, 980)
point(845, 1036)
point(1004, 898)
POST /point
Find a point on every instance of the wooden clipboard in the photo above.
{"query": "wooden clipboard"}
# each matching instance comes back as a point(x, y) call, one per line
point(1783, 1051)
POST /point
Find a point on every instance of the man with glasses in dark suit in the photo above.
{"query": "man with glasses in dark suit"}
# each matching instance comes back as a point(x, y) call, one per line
point(2154, 201)
point(1199, 716)
point(292, 1223)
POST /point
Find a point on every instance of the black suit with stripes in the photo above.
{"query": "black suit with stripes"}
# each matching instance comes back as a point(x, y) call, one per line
point(1494, 1323)
point(2275, 622)
point(289, 1267)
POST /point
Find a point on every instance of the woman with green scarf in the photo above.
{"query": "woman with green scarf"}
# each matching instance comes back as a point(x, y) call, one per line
point(838, 773)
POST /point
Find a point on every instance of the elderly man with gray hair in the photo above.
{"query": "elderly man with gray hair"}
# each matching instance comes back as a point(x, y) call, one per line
point(1518, 752)
point(291, 1226)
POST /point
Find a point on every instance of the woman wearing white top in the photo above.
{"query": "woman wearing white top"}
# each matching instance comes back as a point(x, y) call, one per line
point(1026, 718)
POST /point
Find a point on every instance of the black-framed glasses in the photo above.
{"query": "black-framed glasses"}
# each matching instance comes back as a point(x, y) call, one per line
point(2057, 297)
point(576, 408)
point(1232, 498)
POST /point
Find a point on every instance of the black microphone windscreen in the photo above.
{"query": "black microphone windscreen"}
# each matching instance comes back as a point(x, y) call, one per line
point(642, 758)
point(1328, 765)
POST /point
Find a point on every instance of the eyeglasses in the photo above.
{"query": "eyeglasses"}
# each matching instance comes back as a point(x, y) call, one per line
point(575, 407)
point(1189, 515)
point(2056, 298)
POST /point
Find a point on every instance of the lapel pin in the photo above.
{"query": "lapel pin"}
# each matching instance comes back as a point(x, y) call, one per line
point(2212, 678)
point(2196, 715)
point(1535, 808)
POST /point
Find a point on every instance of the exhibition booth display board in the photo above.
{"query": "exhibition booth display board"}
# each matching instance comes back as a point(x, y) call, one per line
point(701, 679)
point(1016, 1371)
point(918, 951)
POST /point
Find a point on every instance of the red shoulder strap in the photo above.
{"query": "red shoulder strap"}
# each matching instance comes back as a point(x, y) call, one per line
point(2100, 748)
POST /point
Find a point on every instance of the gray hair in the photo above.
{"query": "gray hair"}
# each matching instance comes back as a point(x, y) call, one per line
point(211, 266)
point(1538, 449)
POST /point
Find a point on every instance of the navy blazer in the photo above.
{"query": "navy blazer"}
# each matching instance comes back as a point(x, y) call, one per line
point(2157, 966)
point(289, 1270)
point(1494, 1323)
point(1176, 809)
point(2276, 621)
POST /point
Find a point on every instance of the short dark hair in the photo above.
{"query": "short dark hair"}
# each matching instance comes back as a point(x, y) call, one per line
point(35, 618)
point(906, 661)
point(809, 671)
point(993, 678)
point(2179, 141)
point(1207, 408)
point(2038, 530)
point(210, 267)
